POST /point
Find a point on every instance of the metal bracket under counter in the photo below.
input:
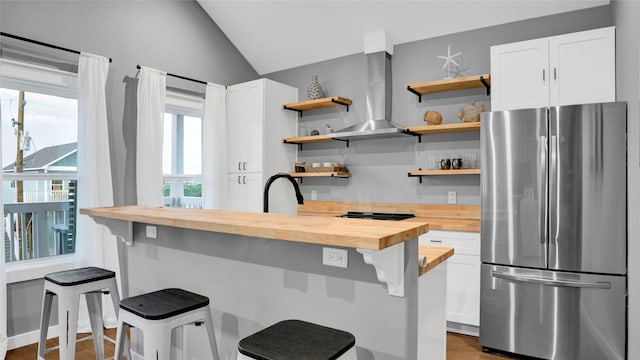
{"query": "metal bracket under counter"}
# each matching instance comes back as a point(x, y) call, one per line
point(122, 229)
point(389, 265)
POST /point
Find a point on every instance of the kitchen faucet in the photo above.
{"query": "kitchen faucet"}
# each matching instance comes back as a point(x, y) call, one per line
point(272, 179)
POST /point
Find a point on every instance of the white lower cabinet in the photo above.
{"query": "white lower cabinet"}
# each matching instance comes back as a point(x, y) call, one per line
point(244, 192)
point(463, 274)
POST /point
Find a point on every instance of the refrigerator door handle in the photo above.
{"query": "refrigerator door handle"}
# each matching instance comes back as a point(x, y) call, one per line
point(551, 282)
point(554, 183)
point(545, 190)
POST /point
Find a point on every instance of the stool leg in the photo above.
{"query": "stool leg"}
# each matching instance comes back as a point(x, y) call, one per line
point(121, 336)
point(94, 305)
point(212, 335)
point(157, 343)
point(68, 323)
point(115, 298)
point(45, 316)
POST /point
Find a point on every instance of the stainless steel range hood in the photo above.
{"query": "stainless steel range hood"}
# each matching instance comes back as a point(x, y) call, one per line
point(378, 121)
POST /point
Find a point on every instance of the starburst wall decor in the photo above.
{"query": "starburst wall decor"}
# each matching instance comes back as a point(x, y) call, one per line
point(448, 60)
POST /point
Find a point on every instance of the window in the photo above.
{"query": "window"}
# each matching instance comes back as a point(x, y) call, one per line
point(39, 165)
point(182, 151)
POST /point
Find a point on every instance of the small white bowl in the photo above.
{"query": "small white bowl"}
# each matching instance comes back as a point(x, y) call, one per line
point(327, 164)
point(315, 164)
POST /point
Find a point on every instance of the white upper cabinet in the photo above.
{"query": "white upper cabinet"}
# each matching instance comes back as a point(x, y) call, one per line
point(583, 67)
point(520, 75)
point(245, 114)
point(569, 69)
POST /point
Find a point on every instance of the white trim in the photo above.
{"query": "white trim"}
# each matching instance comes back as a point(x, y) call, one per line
point(26, 270)
point(32, 337)
point(173, 177)
point(38, 176)
point(183, 104)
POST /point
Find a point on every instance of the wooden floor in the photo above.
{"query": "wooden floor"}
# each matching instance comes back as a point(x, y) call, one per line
point(459, 347)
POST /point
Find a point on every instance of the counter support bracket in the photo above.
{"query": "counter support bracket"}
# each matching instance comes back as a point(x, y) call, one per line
point(122, 229)
point(389, 264)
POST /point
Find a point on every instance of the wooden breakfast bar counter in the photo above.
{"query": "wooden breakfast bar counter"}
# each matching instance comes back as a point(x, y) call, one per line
point(261, 268)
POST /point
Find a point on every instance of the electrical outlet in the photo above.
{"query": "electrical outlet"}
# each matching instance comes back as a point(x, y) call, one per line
point(335, 257)
point(451, 199)
point(152, 232)
point(314, 195)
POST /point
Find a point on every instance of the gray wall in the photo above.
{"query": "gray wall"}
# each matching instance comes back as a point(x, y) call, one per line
point(379, 166)
point(625, 17)
point(173, 36)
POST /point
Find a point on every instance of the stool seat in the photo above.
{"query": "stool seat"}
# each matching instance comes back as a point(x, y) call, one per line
point(156, 314)
point(163, 304)
point(79, 276)
point(296, 339)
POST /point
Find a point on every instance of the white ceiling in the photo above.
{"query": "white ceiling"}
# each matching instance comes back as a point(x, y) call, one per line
point(279, 35)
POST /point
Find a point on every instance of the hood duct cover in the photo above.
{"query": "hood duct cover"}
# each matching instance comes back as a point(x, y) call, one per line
point(378, 101)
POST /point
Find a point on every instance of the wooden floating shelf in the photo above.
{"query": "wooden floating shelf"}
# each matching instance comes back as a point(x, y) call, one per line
point(444, 172)
point(444, 128)
point(320, 174)
point(421, 173)
point(461, 83)
point(318, 104)
point(307, 139)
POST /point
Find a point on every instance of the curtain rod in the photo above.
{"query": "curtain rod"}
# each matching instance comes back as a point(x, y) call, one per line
point(42, 43)
point(181, 77)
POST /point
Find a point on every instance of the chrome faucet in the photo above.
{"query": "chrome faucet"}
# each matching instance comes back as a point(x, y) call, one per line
point(272, 179)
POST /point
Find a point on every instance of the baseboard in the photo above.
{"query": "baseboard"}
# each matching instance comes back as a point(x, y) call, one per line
point(28, 338)
point(463, 329)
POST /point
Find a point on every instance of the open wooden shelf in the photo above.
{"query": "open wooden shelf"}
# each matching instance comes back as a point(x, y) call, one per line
point(444, 172)
point(307, 139)
point(420, 173)
point(318, 104)
point(320, 174)
point(443, 128)
point(461, 83)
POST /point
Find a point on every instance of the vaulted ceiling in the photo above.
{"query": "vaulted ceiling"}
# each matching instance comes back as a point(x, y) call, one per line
point(278, 35)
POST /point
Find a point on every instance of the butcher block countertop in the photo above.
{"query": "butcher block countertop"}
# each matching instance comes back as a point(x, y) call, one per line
point(439, 217)
point(323, 230)
point(435, 256)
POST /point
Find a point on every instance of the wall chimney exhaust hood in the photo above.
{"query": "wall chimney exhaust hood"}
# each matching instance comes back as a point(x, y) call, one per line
point(378, 96)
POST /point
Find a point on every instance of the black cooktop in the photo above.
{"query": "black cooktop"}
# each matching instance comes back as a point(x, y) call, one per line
point(376, 216)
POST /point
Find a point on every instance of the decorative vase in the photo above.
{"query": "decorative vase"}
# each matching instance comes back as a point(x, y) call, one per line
point(314, 91)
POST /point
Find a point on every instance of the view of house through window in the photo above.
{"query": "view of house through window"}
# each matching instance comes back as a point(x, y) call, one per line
point(39, 165)
point(182, 161)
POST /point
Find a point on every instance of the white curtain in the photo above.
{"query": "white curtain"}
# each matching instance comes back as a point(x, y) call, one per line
point(95, 245)
point(151, 98)
point(3, 283)
point(214, 154)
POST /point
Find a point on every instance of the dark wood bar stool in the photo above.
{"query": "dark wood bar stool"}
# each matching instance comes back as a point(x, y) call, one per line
point(157, 313)
point(295, 339)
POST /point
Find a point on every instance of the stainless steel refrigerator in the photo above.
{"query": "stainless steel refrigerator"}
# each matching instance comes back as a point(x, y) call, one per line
point(554, 232)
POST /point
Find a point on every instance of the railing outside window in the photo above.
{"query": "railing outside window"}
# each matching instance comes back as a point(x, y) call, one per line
point(41, 226)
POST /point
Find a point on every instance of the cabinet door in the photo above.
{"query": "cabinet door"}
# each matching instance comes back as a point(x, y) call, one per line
point(236, 193)
point(520, 75)
point(253, 184)
point(463, 289)
point(254, 123)
point(236, 128)
point(583, 67)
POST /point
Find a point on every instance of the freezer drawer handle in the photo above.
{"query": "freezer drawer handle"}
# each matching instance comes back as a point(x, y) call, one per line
point(550, 282)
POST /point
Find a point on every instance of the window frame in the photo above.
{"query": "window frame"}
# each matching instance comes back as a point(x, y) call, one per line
point(187, 105)
point(29, 77)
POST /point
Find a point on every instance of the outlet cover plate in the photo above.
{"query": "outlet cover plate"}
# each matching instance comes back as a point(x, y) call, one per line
point(152, 232)
point(335, 257)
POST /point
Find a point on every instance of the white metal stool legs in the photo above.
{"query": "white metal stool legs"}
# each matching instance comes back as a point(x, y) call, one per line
point(157, 333)
point(68, 301)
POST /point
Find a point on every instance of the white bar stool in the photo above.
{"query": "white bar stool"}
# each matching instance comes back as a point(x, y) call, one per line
point(157, 313)
point(295, 339)
point(68, 286)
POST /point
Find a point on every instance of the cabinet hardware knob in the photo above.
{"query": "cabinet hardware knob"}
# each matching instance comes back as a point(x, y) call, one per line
point(555, 76)
point(239, 168)
point(244, 180)
point(543, 75)
point(239, 180)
